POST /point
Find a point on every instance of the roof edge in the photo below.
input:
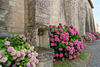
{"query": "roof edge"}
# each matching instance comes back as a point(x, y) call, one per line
point(91, 4)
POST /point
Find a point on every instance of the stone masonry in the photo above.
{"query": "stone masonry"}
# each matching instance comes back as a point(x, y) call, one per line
point(22, 13)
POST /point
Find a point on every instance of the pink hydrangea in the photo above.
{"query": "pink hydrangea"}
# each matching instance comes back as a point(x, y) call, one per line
point(60, 49)
point(52, 40)
point(76, 42)
point(7, 43)
point(52, 44)
point(68, 48)
point(71, 26)
point(18, 53)
point(4, 59)
point(60, 30)
point(54, 59)
point(15, 35)
point(67, 34)
point(70, 51)
point(57, 39)
point(61, 55)
point(55, 30)
point(13, 53)
point(29, 55)
point(77, 54)
point(67, 39)
point(28, 64)
point(56, 36)
point(51, 35)
point(22, 52)
point(70, 57)
point(10, 49)
point(67, 26)
point(74, 56)
point(71, 44)
point(54, 25)
point(56, 55)
point(63, 59)
point(20, 36)
point(66, 43)
point(66, 54)
point(62, 42)
point(24, 39)
point(55, 44)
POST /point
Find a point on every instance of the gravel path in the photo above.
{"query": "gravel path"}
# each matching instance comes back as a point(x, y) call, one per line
point(94, 47)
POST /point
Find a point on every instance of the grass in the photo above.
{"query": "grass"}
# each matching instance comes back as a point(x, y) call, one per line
point(83, 58)
point(85, 43)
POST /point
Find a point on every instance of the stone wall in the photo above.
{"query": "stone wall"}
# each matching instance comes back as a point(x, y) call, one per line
point(15, 17)
point(24, 13)
point(57, 12)
point(38, 18)
point(4, 9)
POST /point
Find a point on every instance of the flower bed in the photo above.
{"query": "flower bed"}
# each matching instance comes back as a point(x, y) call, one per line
point(14, 51)
point(65, 41)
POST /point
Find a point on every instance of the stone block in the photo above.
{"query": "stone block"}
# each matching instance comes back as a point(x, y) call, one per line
point(45, 58)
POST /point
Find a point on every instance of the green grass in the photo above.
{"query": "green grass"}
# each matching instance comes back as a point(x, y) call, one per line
point(62, 64)
point(68, 63)
point(83, 55)
point(85, 43)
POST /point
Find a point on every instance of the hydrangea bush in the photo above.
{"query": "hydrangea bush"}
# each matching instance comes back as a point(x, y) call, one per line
point(65, 41)
point(92, 36)
point(97, 35)
point(16, 52)
point(87, 38)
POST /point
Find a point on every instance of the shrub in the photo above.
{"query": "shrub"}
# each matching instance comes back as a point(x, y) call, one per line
point(65, 41)
point(86, 38)
point(15, 51)
point(92, 36)
point(97, 35)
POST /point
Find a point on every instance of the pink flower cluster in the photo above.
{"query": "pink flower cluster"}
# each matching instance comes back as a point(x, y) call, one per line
point(2, 59)
point(7, 43)
point(32, 61)
point(63, 39)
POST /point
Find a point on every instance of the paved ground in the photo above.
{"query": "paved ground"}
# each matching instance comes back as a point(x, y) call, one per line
point(94, 47)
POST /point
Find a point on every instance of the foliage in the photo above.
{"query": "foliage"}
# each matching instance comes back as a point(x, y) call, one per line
point(65, 41)
point(16, 52)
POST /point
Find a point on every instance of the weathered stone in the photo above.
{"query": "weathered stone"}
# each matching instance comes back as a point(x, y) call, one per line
point(46, 58)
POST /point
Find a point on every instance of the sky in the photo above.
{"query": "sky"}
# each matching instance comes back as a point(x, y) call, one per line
point(96, 11)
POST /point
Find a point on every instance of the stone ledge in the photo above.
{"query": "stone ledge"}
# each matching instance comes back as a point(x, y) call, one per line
point(45, 55)
point(45, 58)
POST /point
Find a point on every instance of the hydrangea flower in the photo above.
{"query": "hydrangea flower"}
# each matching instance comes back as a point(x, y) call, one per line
point(7, 43)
